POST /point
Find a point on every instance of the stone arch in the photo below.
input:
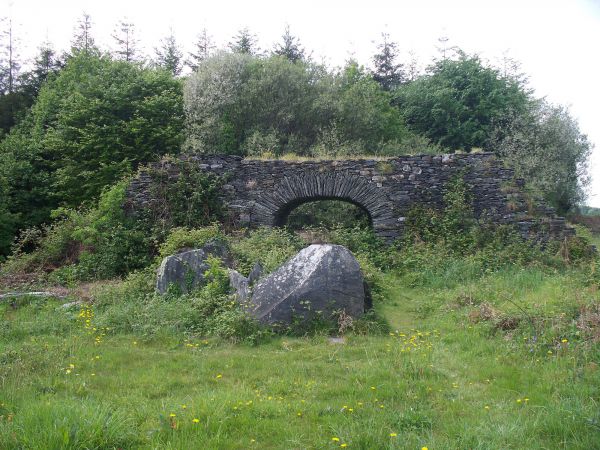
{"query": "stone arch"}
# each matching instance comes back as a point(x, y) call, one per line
point(273, 207)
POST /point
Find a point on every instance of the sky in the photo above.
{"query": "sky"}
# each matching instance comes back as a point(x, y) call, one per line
point(556, 41)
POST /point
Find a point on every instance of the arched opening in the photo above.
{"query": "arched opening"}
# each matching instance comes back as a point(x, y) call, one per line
point(323, 212)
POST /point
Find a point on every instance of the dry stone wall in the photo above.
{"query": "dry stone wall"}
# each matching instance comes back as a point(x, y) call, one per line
point(264, 192)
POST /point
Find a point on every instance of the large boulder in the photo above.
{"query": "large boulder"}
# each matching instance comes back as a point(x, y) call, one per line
point(186, 269)
point(320, 279)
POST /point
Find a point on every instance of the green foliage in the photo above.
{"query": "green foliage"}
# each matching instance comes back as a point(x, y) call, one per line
point(271, 247)
point(180, 237)
point(237, 103)
point(189, 201)
point(90, 125)
point(133, 306)
point(95, 243)
point(451, 247)
point(327, 214)
point(546, 147)
point(457, 103)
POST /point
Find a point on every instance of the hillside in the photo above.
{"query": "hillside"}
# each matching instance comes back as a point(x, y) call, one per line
point(499, 361)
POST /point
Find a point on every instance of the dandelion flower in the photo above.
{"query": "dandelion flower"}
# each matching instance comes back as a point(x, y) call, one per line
point(196, 420)
point(393, 434)
point(172, 415)
point(487, 407)
point(344, 445)
point(564, 341)
point(219, 376)
point(335, 439)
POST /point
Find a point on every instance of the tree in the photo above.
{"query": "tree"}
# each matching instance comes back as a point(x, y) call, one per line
point(45, 65)
point(456, 103)
point(13, 106)
point(83, 40)
point(169, 55)
point(363, 117)
point(10, 67)
point(387, 72)
point(546, 148)
point(290, 47)
point(244, 42)
point(242, 104)
point(95, 122)
point(204, 48)
point(124, 36)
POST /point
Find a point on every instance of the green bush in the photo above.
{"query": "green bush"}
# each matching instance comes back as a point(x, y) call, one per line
point(85, 244)
point(181, 237)
point(133, 306)
point(271, 247)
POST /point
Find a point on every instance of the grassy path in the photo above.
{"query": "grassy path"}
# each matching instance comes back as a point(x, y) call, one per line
point(437, 380)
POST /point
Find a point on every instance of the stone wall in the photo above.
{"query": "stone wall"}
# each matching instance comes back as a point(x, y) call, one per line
point(263, 192)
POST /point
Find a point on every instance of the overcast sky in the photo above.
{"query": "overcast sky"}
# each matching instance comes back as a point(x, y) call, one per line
point(557, 42)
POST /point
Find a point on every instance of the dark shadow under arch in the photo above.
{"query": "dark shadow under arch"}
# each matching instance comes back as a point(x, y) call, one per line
point(281, 216)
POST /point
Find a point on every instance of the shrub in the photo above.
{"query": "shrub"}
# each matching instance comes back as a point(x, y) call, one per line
point(181, 237)
point(94, 243)
point(133, 306)
point(271, 247)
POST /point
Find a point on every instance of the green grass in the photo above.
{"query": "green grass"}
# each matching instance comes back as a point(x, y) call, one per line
point(444, 378)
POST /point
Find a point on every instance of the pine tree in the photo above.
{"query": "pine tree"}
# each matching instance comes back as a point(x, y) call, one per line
point(45, 64)
point(412, 70)
point(290, 47)
point(387, 72)
point(83, 41)
point(9, 64)
point(204, 48)
point(169, 55)
point(244, 42)
point(124, 36)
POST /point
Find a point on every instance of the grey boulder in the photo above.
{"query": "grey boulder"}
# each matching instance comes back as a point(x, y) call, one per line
point(319, 280)
point(186, 269)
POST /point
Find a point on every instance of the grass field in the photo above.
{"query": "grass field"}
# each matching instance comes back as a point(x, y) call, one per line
point(494, 363)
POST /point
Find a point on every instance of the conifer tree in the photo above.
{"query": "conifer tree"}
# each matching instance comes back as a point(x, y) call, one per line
point(83, 41)
point(204, 48)
point(290, 47)
point(387, 72)
point(169, 55)
point(45, 64)
point(124, 36)
point(9, 58)
point(244, 42)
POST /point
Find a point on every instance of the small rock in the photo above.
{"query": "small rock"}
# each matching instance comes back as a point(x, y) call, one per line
point(186, 269)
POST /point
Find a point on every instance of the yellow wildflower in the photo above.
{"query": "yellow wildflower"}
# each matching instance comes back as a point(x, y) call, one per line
point(335, 439)
point(393, 434)
point(196, 420)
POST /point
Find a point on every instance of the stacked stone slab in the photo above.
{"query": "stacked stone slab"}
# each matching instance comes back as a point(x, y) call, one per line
point(264, 192)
